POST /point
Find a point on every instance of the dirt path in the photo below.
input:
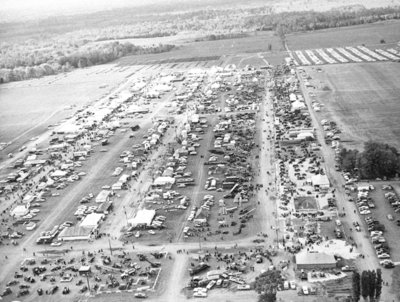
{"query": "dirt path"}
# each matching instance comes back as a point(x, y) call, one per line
point(266, 174)
point(174, 288)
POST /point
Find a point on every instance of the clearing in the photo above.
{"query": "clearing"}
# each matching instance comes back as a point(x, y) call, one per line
point(362, 99)
point(370, 35)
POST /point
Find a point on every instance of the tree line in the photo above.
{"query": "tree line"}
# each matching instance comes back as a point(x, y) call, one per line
point(49, 51)
point(289, 22)
point(23, 67)
point(377, 160)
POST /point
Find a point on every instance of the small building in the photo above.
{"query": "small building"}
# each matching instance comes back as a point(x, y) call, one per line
point(308, 261)
point(85, 270)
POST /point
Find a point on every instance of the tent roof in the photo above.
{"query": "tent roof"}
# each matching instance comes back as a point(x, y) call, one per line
point(91, 220)
point(143, 216)
point(320, 180)
point(305, 257)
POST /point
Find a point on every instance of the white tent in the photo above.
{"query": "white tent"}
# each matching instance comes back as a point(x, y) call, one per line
point(298, 105)
point(58, 173)
point(143, 217)
point(320, 180)
point(92, 220)
point(103, 196)
point(19, 211)
point(161, 181)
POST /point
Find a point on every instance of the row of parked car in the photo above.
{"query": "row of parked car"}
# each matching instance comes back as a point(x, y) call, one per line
point(379, 242)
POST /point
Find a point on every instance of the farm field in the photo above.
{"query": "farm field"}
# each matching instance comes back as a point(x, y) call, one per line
point(210, 50)
point(370, 35)
point(28, 107)
point(340, 55)
point(362, 99)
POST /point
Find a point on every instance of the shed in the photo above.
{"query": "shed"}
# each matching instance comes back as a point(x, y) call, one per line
point(85, 270)
point(308, 261)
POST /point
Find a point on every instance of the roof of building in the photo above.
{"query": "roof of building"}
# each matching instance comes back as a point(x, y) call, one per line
point(143, 217)
point(75, 231)
point(306, 257)
point(91, 220)
point(320, 180)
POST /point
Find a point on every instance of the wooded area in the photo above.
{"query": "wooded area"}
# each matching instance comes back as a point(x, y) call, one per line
point(376, 161)
point(48, 51)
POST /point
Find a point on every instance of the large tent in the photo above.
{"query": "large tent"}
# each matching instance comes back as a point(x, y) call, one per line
point(307, 261)
point(320, 181)
point(92, 220)
point(19, 211)
point(143, 217)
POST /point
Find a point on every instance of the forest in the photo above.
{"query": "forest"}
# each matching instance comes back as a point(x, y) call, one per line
point(33, 50)
point(377, 160)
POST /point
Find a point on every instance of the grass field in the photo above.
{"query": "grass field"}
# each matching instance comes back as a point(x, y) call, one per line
point(28, 107)
point(207, 50)
point(369, 34)
point(362, 99)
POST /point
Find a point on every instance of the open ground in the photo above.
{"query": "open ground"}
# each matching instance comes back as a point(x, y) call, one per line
point(362, 99)
point(369, 35)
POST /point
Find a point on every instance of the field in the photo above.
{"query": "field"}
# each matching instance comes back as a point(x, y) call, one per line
point(28, 107)
point(362, 99)
point(370, 35)
point(212, 50)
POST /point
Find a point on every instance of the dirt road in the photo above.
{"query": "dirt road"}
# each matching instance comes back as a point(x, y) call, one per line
point(370, 262)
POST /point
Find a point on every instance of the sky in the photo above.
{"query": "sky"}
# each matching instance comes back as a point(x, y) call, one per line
point(17, 10)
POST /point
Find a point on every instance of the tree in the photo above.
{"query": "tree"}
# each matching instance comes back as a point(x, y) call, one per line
point(364, 284)
point(356, 286)
point(378, 286)
point(266, 285)
point(269, 296)
point(372, 285)
point(378, 160)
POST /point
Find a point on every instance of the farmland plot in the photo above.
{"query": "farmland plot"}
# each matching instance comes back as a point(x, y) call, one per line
point(387, 54)
point(324, 56)
point(349, 55)
point(363, 101)
point(369, 35)
point(372, 54)
point(360, 54)
point(302, 58)
point(313, 57)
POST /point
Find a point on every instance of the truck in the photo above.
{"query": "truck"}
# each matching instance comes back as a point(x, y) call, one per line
point(198, 268)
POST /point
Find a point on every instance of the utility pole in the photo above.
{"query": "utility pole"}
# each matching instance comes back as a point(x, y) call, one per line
point(109, 243)
point(126, 216)
point(87, 279)
point(200, 242)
